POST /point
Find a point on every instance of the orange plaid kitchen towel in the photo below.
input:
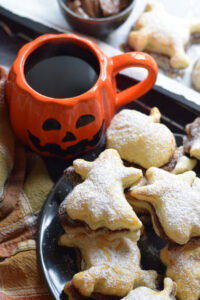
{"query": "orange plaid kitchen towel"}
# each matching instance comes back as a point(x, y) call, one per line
point(24, 186)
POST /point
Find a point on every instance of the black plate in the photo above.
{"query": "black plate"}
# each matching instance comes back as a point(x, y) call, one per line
point(58, 264)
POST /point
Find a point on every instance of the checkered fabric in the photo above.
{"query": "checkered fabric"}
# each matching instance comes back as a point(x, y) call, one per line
point(24, 186)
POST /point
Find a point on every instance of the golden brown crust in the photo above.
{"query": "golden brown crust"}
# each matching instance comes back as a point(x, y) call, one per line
point(141, 139)
point(183, 265)
point(152, 33)
point(74, 294)
point(176, 201)
point(110, 268)
point(99, 201)
point(143, 293)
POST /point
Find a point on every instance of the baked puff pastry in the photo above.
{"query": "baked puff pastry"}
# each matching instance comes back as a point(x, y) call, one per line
point(192, 141)
point(144, 293)
point(196, 75)
point(108, 268)
point(180, 163)
point(99, 201)
point(140, 139)
point(159, 32)
point(183, 266)
point(173, 202)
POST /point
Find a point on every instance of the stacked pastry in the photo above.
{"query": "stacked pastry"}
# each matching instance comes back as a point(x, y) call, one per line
point(99, 221)
point(142, 171)
point(170, 193)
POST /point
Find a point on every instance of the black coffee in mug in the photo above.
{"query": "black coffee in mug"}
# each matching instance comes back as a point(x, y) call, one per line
point(61, 70)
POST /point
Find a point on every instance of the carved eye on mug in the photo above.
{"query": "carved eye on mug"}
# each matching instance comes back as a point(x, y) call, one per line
point(74, 143)
point(51, 124)
point(84, 120)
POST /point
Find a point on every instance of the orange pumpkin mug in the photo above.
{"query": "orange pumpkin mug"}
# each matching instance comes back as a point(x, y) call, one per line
point(64, 124)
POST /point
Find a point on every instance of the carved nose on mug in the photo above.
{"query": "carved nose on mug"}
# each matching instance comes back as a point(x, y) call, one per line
point(69, 137)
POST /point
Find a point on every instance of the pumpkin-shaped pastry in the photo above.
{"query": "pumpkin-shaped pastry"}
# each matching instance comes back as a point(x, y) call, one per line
point(140, 139)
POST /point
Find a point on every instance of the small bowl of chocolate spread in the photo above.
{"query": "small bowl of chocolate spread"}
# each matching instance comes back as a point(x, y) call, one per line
point(96, 17)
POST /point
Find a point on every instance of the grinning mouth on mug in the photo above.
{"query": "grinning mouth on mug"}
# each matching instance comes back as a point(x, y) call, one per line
point(55, 149)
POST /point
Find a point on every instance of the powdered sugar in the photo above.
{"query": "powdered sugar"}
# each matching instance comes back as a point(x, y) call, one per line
point(138, 139)
point(183, 266)
point(112, 268)
point(100, 201)
point(160, 32)
point(143, 293)
point(176, 199)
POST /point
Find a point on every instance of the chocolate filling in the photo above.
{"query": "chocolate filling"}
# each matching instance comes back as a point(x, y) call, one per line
point(75, 179)
point(194, 39)
point(186, 144)
point(155, 220)
point(133, 165)
point(75, 295)
point(67, 221)
point(173, 292)
point(168, 166)
point(72, 176)
point(193, 132)
point(175, 157)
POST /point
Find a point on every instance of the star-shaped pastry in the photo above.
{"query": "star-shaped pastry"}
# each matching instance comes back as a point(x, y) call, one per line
point(159, 32)
point(174, 203)
point(144, 293)
point(100, 201)
point(192, 141)
point(183, 266)
point(110, 268)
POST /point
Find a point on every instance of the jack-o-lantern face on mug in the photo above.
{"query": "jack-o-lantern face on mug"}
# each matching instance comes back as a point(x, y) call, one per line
point(63, 113)
point(64, 143)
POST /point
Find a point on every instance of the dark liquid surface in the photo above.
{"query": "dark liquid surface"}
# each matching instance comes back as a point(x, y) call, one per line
point(61, 70)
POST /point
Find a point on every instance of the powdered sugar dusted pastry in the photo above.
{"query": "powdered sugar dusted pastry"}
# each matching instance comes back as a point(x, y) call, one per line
point(196, 75)
point(184, 164)
point(144, 293)
point(180, 163)
point(174, 203)
point(177, 165)
point(100, 201)
point(140, 139)
point(183, 266)
point(160, 32)
point(192, 141)
point(109, 268)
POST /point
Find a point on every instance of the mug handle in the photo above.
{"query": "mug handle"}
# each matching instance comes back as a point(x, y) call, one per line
point(134, 59)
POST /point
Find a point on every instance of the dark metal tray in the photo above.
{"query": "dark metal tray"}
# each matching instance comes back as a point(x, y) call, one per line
point(23, 29)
